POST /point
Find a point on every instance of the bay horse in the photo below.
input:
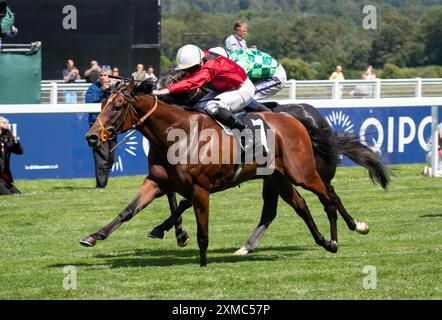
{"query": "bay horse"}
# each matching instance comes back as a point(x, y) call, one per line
point(327, 146)
point(293, 159)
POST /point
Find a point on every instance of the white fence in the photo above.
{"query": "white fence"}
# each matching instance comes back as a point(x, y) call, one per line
point(57, 92)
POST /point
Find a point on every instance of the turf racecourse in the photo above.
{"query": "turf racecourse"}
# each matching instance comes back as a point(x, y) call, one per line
point(40, 231)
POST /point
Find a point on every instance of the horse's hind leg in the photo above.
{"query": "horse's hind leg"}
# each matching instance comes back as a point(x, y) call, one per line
point(270, 197)
point(297, 202)
point(182, 238)
point(352, 224)
point(147, 193)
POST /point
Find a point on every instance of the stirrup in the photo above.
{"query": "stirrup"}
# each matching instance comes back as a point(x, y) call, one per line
point(247, 141)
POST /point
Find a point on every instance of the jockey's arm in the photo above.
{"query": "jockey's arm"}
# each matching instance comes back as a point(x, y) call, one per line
point(192, 83)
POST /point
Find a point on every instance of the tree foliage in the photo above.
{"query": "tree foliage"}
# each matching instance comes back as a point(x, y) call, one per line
point(313, 34)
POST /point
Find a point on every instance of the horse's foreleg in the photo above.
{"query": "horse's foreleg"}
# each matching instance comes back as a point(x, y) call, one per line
point(330, 210)
point(352, 224)
point(314, 184)
point(268, 214)
point(200, 201)
point(175, 220)
point(147, 193)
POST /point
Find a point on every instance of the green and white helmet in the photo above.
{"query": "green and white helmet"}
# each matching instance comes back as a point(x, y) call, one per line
point(188, 56)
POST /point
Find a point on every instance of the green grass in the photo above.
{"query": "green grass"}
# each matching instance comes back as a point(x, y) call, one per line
point(40, 230)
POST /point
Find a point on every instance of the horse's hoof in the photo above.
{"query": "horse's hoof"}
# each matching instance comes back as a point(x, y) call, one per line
point(156, 233)
point(241, 252)
point(182, 240)
point(362, 227)
point(333, 246)
point(88, 241)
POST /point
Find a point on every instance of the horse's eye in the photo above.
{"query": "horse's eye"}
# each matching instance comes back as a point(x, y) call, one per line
point(116, 107)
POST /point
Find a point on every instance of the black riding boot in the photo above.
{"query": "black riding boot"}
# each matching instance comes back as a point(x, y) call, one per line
point(228, 119)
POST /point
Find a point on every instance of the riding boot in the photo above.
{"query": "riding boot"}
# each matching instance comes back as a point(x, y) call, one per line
point(227, 118)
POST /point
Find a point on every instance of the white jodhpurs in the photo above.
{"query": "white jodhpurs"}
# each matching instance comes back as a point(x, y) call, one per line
point(233, 101)
point(271, 86)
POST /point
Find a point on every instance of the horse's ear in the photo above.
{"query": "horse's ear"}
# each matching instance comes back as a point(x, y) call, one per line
point(130, 87)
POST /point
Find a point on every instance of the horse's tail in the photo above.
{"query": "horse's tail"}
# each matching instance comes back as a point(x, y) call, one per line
point(349, 144)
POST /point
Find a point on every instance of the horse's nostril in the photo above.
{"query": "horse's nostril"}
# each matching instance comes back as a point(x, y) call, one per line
point(92, 139)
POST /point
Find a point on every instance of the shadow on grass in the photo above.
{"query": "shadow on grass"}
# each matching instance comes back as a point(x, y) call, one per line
point(72, 188)
point(436, 215)
point(177, 257)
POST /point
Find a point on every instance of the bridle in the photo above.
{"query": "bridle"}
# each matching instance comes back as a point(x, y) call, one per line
point(106, 133)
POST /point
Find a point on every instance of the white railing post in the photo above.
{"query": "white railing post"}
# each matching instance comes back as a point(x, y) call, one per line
point(292, 90)
point(336, 90)
point(54, 93)
point(435, 141)
point(418, 87)
point(377, 89)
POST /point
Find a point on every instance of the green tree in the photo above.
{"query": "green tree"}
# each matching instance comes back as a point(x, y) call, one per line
point(432, 33)
point(298, 69)
point(392, 71)
point(397, 33)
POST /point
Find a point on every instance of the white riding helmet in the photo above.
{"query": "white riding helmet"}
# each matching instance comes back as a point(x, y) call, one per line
point(188, 56)
point(221, 51)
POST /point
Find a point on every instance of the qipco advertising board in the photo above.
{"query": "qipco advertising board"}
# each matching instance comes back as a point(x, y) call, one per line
point(55, 145)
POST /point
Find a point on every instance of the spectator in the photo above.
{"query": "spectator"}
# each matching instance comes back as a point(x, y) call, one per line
point(8, 144)
point(365, 90)
point(7, 20)
point(236, 40)
point(338, 76)
point(115, 82)
point(369, 74)
point(103, 157)
point(429, 154)
point(150, 74)
point(71, 73)
point(92, 74)
point(115, 72)
point(140, 74)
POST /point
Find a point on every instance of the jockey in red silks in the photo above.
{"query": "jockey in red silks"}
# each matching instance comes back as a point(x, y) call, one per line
point(231, 89)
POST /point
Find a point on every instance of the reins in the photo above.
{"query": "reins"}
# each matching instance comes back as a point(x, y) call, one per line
point(147, 115)
point(104, 133)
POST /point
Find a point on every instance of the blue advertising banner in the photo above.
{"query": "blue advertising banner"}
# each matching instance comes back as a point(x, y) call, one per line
point(55, 147)
point(399, 135)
